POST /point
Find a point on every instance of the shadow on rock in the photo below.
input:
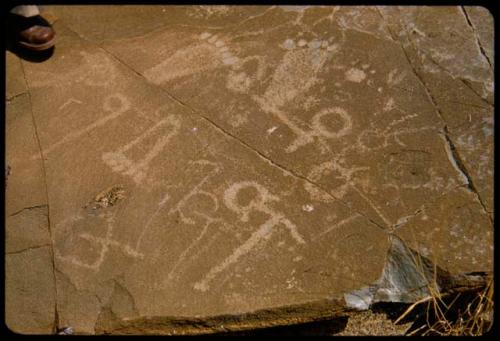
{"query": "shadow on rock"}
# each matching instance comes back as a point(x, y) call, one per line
point(318, 328)
point(29, 55)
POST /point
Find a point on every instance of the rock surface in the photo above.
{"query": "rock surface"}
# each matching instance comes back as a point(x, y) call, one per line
point(172, 167)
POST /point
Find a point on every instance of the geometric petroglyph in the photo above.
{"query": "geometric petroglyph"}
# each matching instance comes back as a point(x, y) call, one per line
point(260, 203)
point(116, 104)
point(70, 240)
point(119, 162)
point(189, 215)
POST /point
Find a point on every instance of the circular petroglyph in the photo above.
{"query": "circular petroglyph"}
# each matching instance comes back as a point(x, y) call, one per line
point(332, 123)
point(245, 196)
point(116, 103)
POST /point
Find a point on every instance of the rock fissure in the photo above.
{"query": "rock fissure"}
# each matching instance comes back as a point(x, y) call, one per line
point(246, 145)
point(460, 166)
point(27, 209)
point(250, 158)
point(13, 97)
point(28, 249)
point(478, 41)
point(42, 160)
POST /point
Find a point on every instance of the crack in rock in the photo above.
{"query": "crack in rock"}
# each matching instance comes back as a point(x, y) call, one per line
point(28, 208)
point(28, 249)
point(459, 165)
point(478, 41)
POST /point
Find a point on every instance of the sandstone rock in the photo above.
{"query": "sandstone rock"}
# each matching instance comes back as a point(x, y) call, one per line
point(233, 167)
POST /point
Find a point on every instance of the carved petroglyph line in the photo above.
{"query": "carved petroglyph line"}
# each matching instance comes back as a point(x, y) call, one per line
point(137, 170)
point(262, 234)
point(345, 175)
point(399, 132)
point(116, 110)
point(336, 226)
point(320, 130)
point(68, 102)
point(193, 245)
point(104, 243)
point(178, 208)
point(372, 204)
point(197, 191)
point(161, 204)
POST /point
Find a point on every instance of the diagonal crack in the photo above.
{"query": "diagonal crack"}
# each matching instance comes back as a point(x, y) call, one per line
point(28, 208)
point(463, 169)
point(56, 314)
point(13, 97)
point(454, 152)
point(463, 81)
point(28, 249)
point(267, 159)
point(478, 42)
point(403, 220)
point(245, 144)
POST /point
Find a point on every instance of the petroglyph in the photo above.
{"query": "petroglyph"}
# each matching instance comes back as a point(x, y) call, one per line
point(196, 190)
point(138, 169)
point(68, 102)
point(117, 104)
point(68, 235)
point(188, 254)
point(208, 52)
point(395, 77)
point(336, 226)
point(340, 177)
point(260, 204)
point(161, 204)
point(203, 220)
point(294, 76)
point(355, 75)
point(296, 73)
point(263, 153)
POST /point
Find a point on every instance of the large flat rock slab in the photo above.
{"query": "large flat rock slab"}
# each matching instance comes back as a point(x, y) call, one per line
point(30, 304)
point(234, 161)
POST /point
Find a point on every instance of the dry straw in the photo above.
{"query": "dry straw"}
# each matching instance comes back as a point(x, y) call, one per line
point(464, 311)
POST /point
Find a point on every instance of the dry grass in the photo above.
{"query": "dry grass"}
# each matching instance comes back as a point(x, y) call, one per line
point(465, 313)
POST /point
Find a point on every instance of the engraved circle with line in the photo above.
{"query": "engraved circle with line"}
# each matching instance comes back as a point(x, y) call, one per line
point(258, 203)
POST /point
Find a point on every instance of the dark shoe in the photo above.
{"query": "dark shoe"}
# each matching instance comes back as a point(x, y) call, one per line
point(33, 33)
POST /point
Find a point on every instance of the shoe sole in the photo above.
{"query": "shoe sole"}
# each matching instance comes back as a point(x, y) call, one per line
point(38, 47)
